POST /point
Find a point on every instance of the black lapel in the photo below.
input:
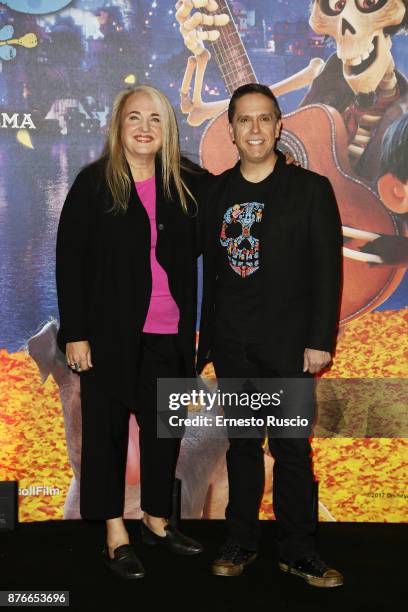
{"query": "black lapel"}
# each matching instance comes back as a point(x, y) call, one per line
point(276, 206)
point(216, 201)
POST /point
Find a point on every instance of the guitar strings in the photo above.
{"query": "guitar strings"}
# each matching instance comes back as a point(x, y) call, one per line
point(226, 54)
point(219, 52)
point(228, 59)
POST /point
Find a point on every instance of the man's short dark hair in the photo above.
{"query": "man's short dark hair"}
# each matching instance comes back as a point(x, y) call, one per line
point(394, 150)
point(251, 88)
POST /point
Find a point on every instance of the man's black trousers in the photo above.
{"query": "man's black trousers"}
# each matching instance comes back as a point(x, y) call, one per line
point(105, 429)
point(294, 488)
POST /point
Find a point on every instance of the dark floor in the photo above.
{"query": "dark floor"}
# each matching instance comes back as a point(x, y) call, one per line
point(65, 555)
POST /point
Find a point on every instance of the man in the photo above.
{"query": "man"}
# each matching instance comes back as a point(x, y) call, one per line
point(271, 286)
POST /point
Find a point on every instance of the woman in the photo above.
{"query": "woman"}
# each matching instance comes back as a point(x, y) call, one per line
point(127, 313)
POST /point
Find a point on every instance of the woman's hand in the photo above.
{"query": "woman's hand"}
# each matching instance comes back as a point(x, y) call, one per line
point(315, 360)
point(78, 355)
point(290, 159)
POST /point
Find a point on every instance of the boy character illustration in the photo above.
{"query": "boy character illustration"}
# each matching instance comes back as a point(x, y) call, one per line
point(392, 186)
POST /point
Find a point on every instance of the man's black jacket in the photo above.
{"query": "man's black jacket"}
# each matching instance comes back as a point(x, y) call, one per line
point(300, 255)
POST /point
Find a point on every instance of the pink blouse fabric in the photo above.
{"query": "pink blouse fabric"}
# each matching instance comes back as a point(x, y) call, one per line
point(163, 314)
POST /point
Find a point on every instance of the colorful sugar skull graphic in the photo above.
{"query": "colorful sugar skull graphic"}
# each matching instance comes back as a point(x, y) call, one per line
point(240, 236)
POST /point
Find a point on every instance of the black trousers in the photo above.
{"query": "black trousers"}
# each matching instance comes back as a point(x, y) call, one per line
point(294, 500)
point(105, 430)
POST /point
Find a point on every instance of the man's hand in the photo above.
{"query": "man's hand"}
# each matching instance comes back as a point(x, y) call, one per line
point(78, 355)
point(191, 25)
point(314, 360)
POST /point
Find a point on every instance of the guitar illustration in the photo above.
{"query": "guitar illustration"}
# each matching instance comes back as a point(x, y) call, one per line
point(364, 217)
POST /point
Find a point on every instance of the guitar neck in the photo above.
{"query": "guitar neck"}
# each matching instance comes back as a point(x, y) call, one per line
point(230, 53)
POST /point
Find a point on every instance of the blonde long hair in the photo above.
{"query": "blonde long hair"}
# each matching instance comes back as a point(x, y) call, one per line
point(116, 169)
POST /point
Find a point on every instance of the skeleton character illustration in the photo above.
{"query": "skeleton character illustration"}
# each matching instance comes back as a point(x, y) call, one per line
point(360, 79)
point(238, 237)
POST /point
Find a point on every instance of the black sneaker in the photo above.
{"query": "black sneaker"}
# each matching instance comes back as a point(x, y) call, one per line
point(314, 570)
point(232, 560)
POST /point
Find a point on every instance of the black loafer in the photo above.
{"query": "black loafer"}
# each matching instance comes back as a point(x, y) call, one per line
point(173, 540)
point(125, 564)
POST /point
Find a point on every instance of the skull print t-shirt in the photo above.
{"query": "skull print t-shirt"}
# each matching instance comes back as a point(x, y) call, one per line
point(239, 259)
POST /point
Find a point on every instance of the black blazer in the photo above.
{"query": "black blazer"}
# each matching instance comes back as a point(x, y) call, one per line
point(104, 278)
point(300, 251)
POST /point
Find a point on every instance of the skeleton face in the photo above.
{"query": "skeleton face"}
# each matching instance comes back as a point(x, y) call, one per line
point(358, 27)
point(239, 234)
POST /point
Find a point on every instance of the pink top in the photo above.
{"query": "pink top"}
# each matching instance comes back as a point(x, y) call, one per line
point(163, 314)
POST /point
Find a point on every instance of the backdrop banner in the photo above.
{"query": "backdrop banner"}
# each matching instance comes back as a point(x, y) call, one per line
point(339, 71)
